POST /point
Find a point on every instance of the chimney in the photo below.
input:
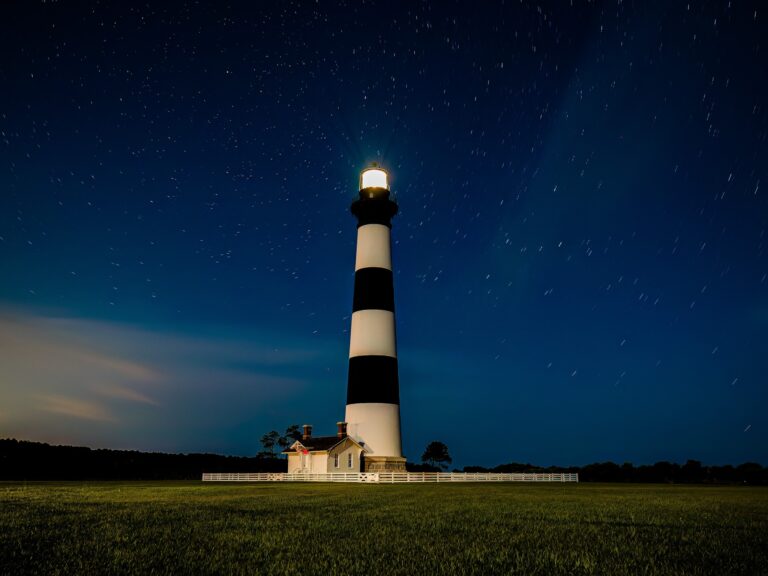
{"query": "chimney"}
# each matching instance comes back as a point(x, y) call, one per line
point(307, 432)
point(342, 429)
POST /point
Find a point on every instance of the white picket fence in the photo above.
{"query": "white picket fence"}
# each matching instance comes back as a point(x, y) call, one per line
point(390, 477)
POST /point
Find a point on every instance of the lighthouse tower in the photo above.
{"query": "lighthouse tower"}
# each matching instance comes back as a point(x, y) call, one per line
point(373, 389)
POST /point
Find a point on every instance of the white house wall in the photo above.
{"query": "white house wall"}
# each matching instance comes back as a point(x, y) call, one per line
point(294, 463)
point(319, 462)
point(314, 463)
point(343, 450)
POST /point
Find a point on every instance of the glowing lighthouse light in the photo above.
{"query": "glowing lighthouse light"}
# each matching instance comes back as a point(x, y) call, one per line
point(373, 178)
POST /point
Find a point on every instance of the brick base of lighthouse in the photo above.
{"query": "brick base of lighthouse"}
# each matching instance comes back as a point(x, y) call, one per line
point(384, 464)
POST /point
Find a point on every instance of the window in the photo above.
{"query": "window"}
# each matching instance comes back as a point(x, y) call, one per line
point(336, 460)
point(349, 460)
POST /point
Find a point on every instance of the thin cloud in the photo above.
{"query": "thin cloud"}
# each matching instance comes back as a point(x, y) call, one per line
point(75, 408)
point(132, 370)
point(120, 392)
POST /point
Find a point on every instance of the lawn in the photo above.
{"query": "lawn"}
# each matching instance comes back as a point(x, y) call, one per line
point(195, 528)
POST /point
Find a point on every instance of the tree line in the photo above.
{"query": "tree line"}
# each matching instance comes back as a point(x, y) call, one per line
point(22, 460)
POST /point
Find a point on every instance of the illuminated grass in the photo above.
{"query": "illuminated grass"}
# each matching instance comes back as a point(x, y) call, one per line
point(194, 528)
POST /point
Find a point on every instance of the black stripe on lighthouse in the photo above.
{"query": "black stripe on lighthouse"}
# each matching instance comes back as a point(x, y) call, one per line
point(373, 379)
point(374, 290)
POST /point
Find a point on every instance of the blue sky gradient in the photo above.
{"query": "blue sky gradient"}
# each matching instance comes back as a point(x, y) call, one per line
point(580, 257)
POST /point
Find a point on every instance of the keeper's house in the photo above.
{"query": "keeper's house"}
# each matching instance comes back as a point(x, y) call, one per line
point(325, 454)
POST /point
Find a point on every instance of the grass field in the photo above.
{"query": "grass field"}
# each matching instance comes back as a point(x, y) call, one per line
point(192, 528)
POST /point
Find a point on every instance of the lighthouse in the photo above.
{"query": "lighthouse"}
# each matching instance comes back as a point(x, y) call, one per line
point(373, 388)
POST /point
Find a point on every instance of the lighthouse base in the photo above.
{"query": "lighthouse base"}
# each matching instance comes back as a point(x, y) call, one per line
point(384, 464)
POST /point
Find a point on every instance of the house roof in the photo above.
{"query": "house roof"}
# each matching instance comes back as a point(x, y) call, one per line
point(319, 443)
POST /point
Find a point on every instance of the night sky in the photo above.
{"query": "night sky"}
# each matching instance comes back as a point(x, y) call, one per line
point(581, 266)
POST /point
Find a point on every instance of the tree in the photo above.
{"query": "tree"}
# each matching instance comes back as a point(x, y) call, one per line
point(436, 454)
point(269, 440)
point(291, 433)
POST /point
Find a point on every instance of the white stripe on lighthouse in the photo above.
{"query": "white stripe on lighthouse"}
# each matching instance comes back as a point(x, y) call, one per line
point(373, 247)
point(376, 424)
point(372, 334)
